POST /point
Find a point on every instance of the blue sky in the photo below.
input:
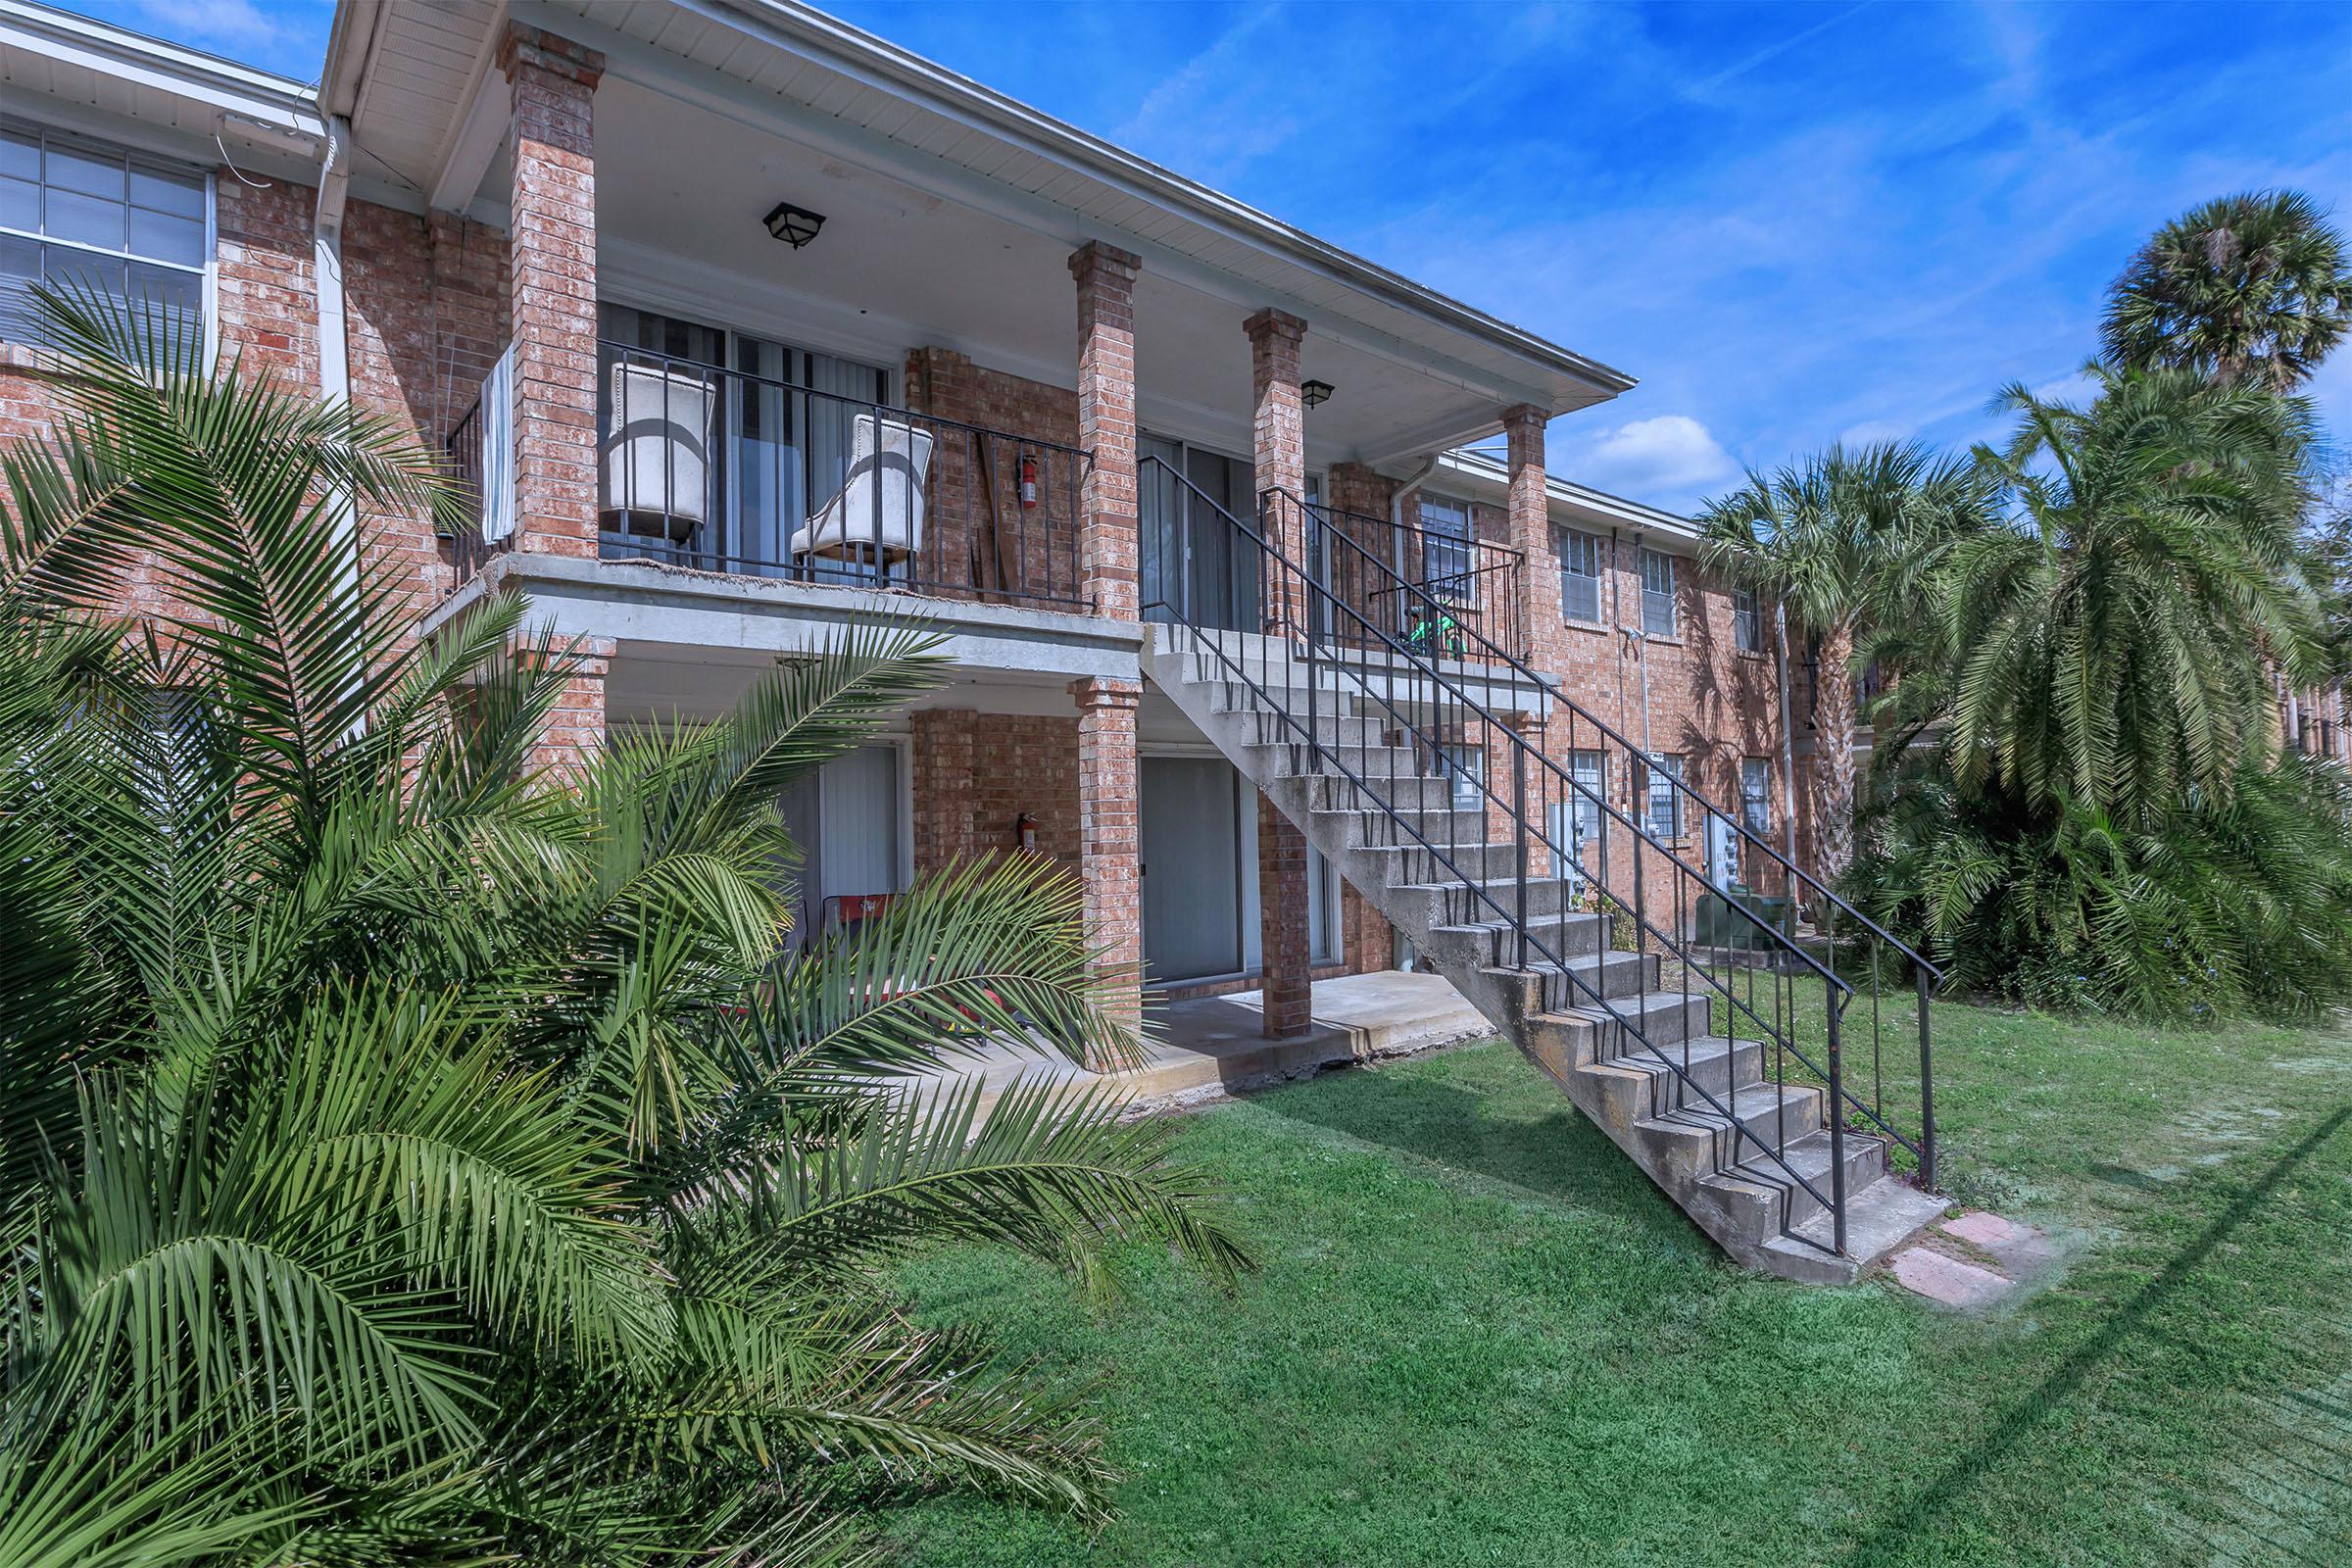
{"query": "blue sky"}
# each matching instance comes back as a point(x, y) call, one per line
point(1794, 223)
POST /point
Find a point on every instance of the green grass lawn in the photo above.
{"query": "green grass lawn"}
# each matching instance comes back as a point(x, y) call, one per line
point(1479, 1336)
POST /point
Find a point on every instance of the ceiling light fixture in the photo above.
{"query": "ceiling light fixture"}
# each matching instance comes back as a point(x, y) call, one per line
point(796, 227)
point(1311, 393)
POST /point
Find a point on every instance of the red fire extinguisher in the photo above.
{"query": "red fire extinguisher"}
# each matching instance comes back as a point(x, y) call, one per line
point(1028, 472)
point(1024, 833)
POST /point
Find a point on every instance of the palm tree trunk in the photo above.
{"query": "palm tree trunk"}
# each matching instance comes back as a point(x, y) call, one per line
point(1780, 630)
point(1834, 753)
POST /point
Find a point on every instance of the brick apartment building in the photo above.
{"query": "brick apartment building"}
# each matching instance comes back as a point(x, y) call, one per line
point(665, 281)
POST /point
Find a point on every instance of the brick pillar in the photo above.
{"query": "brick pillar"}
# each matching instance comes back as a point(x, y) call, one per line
point(552, 288)
point(574, 731)
point(1540, 631)
point(1282, 924)
point(1109, 785)
point(1107, 527)
point(944, 786)
point(1278, 425)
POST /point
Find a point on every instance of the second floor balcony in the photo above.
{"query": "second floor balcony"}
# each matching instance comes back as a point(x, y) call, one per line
point(748, 457)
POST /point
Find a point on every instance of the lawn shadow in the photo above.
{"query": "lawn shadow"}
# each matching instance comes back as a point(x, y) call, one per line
point(1919, 1514)
point(1558, 1155)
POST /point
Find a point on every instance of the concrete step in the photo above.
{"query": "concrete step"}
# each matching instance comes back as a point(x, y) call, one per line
point(1446, 859)
point(1405, 791)
point(1757, 1193)
point(1349, 737)
point(1478, 902)
point(1714, 1063)
point(1373, 828)
point(1770, 1117)
point(1568, 933)
point(1565, 1039)
point(1377, 765)
point(1879, 1220)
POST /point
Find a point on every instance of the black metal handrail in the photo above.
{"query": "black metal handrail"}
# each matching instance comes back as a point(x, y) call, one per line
point(720, 469)
point(1484, 651)
point(1322, 607)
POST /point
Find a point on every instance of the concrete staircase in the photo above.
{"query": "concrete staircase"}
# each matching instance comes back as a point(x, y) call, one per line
point(1699, 1110)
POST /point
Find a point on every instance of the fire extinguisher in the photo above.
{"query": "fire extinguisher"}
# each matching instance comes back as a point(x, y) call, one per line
point(1028, 472)
point(1024, 833)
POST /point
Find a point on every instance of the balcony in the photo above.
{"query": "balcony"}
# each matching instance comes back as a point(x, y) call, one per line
point(709, 469)
point(1441, 594)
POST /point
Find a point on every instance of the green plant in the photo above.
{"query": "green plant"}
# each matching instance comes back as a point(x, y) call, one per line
point(2252, 289)
point(411, 1157)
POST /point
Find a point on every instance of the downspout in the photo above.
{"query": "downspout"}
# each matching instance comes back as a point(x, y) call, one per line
point(334, 337)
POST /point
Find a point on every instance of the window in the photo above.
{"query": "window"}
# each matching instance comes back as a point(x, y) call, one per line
point(1665, 800)
point(1466, 766)
point(1446, 539)
point(1755, 794)
point(1580, 573)
point(1747, 622)
point(1657, 592)
point(91, 216)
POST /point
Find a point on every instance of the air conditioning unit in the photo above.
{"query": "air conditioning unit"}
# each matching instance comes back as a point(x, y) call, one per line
point(657, 451)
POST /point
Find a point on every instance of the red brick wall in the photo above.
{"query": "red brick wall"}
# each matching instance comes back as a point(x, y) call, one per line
point(975, 773)
point(976, 530)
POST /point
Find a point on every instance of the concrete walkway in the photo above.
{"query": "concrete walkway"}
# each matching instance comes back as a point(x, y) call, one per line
point(1209, 1047)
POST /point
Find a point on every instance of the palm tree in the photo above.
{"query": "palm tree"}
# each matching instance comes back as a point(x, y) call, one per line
point(2107, 820)
point(410, 1157)
point(2249, 289)
point(2115, 644)
point(1814, 539)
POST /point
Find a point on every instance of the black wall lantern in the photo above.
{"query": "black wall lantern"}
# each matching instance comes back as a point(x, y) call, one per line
point(796, 227)
point(1311, 393)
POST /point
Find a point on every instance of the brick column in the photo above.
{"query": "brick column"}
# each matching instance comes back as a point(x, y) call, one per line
point(1278, 422)
point(943, 786)
point(1109, 785)
point(574, 731)
point(1278, 425)
point(1540, 631)
point(1283, 944)
point(552, 295)
point(1108, 528)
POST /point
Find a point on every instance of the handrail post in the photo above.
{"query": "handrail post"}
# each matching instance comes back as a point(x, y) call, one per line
point(1836, 1114)
point(1519, 815)
point(1306, 635)
point(1927, 1088)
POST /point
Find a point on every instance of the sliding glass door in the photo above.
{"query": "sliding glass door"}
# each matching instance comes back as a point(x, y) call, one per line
point(1195, 560)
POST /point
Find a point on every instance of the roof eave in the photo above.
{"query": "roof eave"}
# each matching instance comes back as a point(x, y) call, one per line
point(881, 58)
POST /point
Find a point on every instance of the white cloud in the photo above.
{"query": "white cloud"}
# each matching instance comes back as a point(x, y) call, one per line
point(1666, 460)
point(213, 23)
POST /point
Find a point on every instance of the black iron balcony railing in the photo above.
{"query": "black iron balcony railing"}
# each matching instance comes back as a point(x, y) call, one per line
point(1436, 593)
point(721, 470)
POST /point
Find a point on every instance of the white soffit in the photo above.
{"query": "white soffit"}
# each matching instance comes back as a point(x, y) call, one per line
point(803, 73)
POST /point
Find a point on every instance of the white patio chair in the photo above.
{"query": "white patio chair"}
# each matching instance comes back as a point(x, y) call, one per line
point(878, 515)
point(658, 455)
